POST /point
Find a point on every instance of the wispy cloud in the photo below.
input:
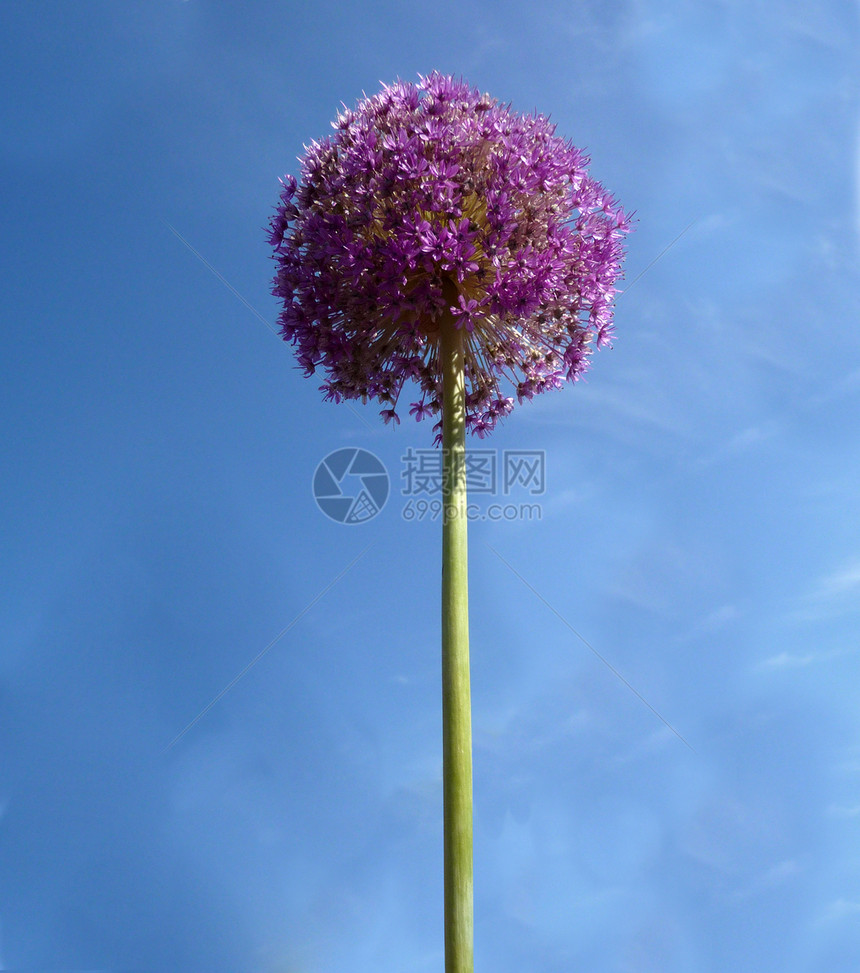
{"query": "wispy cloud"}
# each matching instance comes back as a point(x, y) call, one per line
point(591, 648)
point(263, 651)
point(835, 593)
point(562, 500)
point(528, 726)
point(622, 408)
point(770, 878)
point(787, 660)
point(840, 811)
point(797, 660)
point(849, 765)
point(839, 909)
point(646, 746)
point(740, 442)
point(849, 383)
point(844, 581)
point(714, 620)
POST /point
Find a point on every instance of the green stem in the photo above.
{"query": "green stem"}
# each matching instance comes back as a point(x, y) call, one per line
point(456, 703)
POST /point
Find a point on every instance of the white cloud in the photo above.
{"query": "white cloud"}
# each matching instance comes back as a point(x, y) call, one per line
point(713, 621)
point(779, 873)
point(654, 579)
point(786, 660)
point(657, 739)
point(529, 727)
point(741, 441)
point(620, 407)
point(840, 811)
point(840, 582)
point(849, 383)
point(564, 499)
point(833, 594)
point(849, 764)
point(840, 909)
point(719, 617)
point(794, 660)
point(771, 878)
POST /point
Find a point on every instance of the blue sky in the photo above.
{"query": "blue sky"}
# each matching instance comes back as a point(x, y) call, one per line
point(700, 527)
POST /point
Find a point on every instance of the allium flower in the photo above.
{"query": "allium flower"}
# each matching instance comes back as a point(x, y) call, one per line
point(433, 200)
point(439, 238)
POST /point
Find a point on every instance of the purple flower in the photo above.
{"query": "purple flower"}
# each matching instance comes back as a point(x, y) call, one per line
point(432, 200)
point(464, 314)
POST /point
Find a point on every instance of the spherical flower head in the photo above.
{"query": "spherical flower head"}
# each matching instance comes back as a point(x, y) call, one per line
point(434, 206)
